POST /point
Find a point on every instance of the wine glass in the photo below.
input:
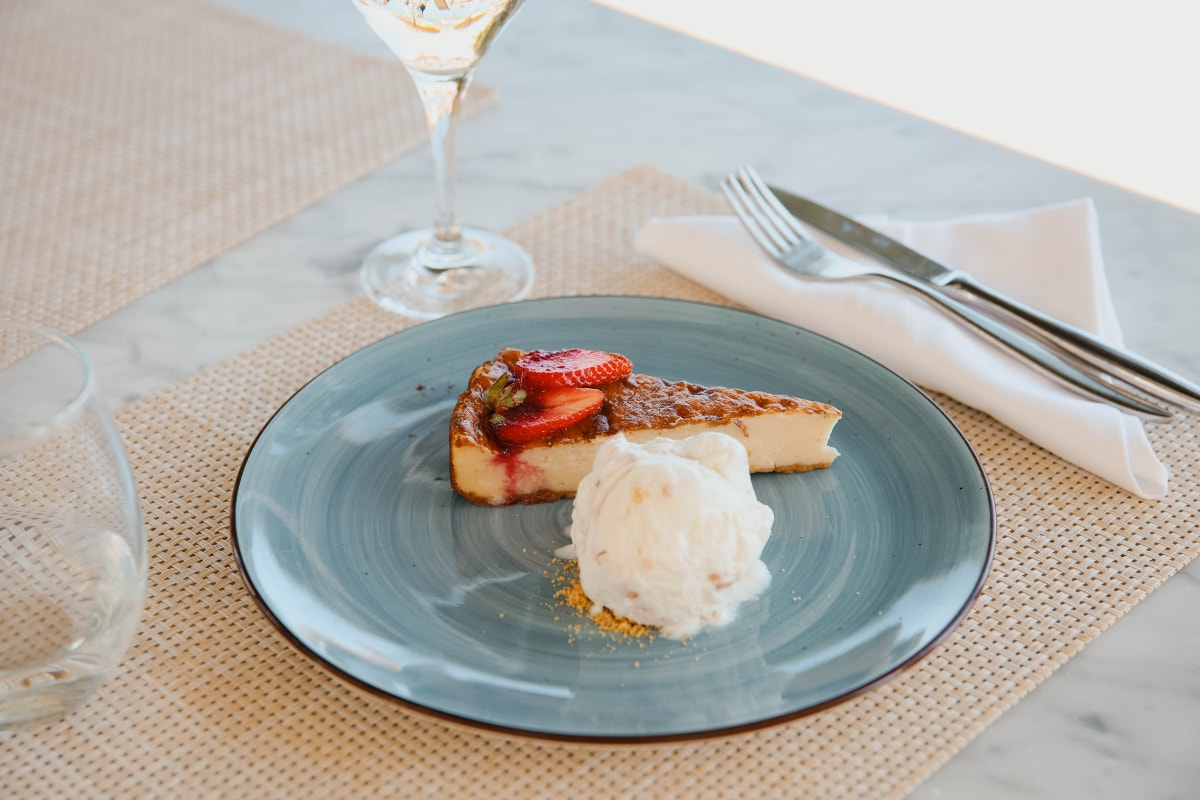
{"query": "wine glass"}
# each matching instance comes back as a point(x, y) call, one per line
point(72, 541)
point(431, 272)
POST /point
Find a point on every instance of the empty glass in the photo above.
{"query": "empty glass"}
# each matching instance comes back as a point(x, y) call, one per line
point(72, 542)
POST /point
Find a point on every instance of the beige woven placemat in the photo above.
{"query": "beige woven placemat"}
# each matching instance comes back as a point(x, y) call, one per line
point(211, 701)
point(140, 139)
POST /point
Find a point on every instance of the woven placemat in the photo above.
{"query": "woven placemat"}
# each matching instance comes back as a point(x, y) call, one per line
point(212, 701)
point(140, 139)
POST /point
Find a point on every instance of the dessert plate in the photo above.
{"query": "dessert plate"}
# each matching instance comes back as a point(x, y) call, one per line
point(353, 543)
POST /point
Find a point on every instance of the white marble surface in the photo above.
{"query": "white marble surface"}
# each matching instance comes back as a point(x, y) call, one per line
point(589, 92)
point(1094, 90)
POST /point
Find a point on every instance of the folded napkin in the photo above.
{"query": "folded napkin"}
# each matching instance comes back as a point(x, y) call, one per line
point(1048, 258)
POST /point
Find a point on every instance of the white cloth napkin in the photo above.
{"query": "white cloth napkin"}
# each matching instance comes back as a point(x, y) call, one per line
point(1048, 258)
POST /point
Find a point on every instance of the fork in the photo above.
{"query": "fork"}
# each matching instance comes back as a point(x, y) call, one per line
point(783, 238)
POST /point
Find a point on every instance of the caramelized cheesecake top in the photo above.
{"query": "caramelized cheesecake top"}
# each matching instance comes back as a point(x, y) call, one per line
point(633, 403)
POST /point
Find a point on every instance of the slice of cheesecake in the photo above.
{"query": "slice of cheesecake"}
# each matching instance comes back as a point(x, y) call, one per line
point(780, 433)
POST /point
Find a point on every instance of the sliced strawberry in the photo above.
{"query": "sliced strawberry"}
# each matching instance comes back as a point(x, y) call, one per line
point(546, 413)
point(546, 368)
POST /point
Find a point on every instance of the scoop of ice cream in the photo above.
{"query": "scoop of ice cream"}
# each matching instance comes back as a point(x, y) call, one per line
point(669, 533)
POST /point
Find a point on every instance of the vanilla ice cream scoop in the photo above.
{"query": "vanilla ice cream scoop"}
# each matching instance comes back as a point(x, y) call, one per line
point(669, 533)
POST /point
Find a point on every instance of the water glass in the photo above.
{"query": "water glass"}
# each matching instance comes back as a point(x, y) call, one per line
point(72, 540)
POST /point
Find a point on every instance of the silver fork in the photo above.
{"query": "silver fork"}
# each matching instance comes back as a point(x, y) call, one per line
point(783, 238)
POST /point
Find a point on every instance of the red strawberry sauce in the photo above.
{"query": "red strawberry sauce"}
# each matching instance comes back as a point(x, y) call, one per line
point(517, 472)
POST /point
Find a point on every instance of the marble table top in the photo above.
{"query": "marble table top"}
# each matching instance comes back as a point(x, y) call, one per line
point(1096, 92)
point(587, 92)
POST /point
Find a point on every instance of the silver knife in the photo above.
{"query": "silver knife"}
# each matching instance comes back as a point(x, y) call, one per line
point(1134, 370)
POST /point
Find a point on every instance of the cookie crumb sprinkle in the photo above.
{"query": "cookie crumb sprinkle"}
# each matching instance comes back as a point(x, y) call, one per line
point(574, 596)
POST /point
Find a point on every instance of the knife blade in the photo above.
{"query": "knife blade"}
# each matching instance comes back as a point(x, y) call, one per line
point(868, 240)
point(1133, 369)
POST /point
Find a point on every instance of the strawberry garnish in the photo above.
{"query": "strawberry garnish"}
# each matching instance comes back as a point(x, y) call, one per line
point(502, 395)
point(545, 413)
point(547, 368)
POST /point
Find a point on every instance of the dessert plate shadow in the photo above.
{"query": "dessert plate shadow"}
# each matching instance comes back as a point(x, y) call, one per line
point(351, 540)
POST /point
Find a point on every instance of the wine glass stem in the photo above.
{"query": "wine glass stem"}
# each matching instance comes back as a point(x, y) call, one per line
point(442, 96)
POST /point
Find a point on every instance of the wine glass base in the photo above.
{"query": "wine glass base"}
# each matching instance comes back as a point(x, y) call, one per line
point(493, 270)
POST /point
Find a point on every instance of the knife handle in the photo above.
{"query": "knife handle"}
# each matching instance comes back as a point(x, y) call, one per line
point(1085, 346)
point(1030, 349)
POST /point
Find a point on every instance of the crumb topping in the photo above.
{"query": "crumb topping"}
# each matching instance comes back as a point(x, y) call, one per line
point(574, 596)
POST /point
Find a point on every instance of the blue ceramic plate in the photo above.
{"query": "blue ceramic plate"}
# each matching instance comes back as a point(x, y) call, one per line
point(351, 540)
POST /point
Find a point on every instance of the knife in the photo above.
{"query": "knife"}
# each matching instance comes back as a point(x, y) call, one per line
point(1135, 370)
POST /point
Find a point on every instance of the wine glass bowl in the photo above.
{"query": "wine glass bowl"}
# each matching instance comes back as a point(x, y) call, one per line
point(431, 272)
point(438, 36)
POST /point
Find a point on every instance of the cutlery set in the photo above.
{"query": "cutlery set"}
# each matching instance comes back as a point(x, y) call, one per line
point(1073, 356)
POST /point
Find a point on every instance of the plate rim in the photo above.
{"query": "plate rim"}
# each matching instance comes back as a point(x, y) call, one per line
point(623, 739)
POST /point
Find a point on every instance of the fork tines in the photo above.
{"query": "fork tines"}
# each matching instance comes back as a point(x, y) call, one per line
point(768, 222)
